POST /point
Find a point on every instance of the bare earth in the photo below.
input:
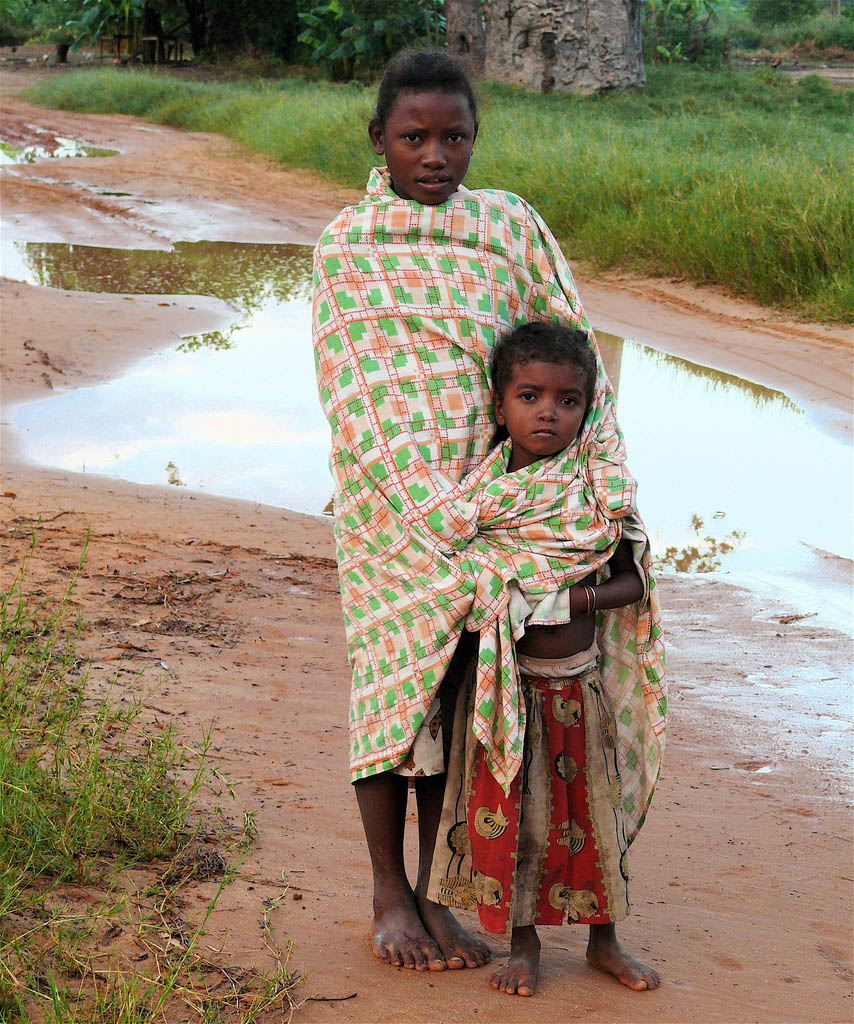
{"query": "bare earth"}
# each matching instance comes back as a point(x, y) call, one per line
point(743, 881)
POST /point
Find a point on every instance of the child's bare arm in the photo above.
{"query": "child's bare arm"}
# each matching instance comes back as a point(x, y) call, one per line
point(624, 586)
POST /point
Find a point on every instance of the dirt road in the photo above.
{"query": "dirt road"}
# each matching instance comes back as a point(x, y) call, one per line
point(743, 886)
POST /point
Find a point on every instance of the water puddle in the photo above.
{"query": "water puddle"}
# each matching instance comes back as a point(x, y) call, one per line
point(759, 767)
point(730, 472)
point(246, 274)
point(50, 147)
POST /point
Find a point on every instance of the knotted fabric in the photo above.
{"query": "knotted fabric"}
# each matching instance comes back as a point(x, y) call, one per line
point(431, 531)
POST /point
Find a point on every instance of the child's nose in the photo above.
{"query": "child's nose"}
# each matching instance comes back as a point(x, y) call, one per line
point(434, 155)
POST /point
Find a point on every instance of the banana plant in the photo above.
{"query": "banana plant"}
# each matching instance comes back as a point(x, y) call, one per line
point(102, 17)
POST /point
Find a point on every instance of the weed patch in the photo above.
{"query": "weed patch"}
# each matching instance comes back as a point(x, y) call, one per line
point(100, 835)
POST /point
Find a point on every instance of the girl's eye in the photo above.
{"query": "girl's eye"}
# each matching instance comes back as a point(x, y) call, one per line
point(568, 401)
point(528, 396)
point(411, 137)
point(456, 137)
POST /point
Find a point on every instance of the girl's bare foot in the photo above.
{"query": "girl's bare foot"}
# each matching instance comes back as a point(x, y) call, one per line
point(459, 947)
point(518, 977)
point(398, 935)
point(606, 954)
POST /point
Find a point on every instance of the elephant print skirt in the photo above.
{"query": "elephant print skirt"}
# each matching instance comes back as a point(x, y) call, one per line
point(554, 848)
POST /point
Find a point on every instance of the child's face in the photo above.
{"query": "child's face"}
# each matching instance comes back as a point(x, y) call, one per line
point(543, 408)
point(427, 141)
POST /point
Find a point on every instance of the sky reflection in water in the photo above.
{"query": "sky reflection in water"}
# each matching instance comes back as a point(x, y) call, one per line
point(237, 414)
point(53, 148)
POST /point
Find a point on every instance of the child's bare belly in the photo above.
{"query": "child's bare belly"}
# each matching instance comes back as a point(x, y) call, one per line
point(558, 641)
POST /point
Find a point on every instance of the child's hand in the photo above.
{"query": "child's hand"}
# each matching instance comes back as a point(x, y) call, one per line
point(623, 587)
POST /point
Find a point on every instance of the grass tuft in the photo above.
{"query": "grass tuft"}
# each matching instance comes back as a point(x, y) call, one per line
point(79, 776)
point(87, 791)
point(732, 178)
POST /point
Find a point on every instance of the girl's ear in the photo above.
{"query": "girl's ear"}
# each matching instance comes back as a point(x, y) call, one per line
point(498, 409)
point(375, 134)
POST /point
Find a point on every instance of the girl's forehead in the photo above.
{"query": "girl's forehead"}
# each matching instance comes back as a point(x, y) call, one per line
point(446, 104)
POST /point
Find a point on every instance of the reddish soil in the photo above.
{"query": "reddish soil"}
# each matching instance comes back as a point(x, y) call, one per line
point(743, 887)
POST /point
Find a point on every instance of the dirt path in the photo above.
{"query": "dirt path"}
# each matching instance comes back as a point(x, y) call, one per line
point(743, 883)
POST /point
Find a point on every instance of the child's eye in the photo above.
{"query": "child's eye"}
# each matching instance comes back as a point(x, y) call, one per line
point(528, 396)
point(456, 137)
point(568, 401)
point(411, 137)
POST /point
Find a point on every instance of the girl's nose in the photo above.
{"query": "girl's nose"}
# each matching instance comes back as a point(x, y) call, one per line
point(434, 155)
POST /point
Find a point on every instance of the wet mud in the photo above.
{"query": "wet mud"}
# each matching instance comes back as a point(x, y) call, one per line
point(742, 878)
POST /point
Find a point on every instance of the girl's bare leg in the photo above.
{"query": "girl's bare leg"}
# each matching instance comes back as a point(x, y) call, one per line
point(518, 977)
point(606, 954)
point(398, 935)
point(459, 947)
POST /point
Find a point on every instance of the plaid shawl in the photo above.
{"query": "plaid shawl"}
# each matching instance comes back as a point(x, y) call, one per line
point(431, 531)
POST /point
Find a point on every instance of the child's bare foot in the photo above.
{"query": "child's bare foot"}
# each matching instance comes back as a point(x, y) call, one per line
point(399, 938)
point(519, 975)
point(459, 947)
point(606, 954)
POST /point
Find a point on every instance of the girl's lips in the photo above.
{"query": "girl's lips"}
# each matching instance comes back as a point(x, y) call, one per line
point(433, 183)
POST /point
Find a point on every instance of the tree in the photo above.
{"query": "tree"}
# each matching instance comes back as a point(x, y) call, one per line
point(353, 38)
point(466, 33)
point(680, 30)
point(580, 46)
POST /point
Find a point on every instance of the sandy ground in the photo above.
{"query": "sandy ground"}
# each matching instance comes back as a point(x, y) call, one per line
point(743, 879)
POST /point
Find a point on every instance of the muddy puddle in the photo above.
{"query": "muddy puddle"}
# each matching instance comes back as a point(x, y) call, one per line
point(733, 476)
point(48, 147)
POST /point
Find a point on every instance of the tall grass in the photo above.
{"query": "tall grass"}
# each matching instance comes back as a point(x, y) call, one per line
point(734, 178)
point(816, 34)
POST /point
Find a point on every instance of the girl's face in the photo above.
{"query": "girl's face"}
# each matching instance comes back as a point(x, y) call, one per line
point(427, 140)
point(543, 409)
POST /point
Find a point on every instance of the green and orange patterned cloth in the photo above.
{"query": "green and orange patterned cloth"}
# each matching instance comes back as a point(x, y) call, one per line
point(431, 532)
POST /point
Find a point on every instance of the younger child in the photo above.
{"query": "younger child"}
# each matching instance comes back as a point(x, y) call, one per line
point(555, 846)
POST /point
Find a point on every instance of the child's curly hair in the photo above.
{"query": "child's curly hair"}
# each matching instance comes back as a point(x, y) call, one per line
point(545, 343)
point(422, 71)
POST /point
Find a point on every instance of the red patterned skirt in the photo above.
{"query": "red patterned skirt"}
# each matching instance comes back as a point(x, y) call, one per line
point(554, 849)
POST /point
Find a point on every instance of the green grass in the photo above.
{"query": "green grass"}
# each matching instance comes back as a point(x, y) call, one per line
point(814, 35)
point(87, 788)
point(734, 178)
point(80, 776)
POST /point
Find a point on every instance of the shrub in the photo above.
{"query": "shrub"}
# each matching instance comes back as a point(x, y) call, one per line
point(680, 31)
point(18, 21)
point(781, 12)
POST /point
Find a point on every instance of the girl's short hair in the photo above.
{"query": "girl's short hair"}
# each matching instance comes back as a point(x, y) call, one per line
point(422, 71)
point(547, 343)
